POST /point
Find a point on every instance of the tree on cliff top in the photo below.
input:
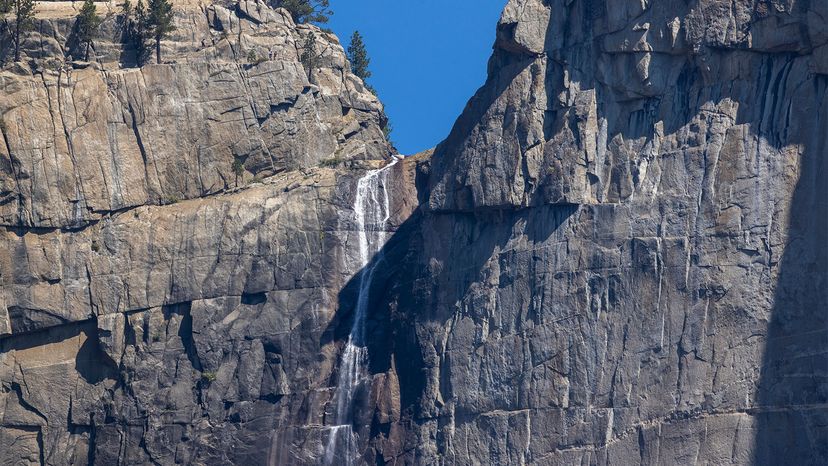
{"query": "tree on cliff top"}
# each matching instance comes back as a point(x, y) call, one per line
point(307, 11)
point(24, 11)
point(133, 24)
point(133, 21)
point(126, 22)
point(87, 25)
point(358, 56)
point(159, 23)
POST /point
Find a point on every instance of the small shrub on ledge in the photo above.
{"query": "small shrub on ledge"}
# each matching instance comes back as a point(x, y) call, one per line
point(331, 162)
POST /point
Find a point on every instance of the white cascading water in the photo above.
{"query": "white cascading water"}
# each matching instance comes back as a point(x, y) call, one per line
point(372, 209)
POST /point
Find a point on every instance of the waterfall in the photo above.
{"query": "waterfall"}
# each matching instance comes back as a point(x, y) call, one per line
point(372, 210)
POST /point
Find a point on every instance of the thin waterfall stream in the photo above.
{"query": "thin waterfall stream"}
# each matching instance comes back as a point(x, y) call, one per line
point(372, 210)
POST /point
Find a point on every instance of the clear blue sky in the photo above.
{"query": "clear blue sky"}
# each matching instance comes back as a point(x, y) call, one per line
point(428, 57)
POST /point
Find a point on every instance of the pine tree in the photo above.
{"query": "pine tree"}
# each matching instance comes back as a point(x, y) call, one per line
point(159, 23)
point(310, 57)
point(137, 31)
point(358, 57)
point(24, 11)
point(308, 11)
point(126, 11)
point(126, 22)
point(5, 8)
point(87, 25)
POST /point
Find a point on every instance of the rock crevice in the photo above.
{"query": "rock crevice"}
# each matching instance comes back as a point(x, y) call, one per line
point(615, 257)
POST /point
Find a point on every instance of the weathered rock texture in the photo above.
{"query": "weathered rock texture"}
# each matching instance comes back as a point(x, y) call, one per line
point(616, 257)
point(80, 143)
point(620, 256)
point(170, 245)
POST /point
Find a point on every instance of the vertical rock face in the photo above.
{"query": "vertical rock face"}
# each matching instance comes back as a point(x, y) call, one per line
point(619, 255)
point(174, 238)
point(616, 257)
point(232, 102)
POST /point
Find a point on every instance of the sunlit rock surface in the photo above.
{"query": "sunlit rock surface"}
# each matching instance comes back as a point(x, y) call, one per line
point(231, 101)
point(621, 257)
point(616, 257)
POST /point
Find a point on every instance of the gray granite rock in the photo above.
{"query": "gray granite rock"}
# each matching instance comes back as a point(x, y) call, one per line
point(616, 257)
point(619, 256)
point(232, 101)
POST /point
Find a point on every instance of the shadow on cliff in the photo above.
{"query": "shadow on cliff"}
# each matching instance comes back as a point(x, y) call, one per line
point(90, 362)
point(792, 400)
point(422, 274)
point(430, 262)
point(790, 408)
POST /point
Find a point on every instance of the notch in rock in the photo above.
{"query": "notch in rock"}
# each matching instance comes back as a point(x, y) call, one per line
point(252, 299)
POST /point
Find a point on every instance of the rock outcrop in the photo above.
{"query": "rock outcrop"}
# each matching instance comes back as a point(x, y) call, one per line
point(82, 139)
point(616, 257)
point(620, 256)
point(173, 234)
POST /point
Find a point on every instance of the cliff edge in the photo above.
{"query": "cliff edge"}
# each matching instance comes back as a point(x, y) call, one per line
point(615, 257)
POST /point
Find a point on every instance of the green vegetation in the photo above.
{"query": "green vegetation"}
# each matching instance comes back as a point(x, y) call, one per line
point(209, 376)
point(358, 56)
point(87, 25)
point(238, 169)
point(254, 58)
point(146, 26)
point(126, 11)
point(159, 23)
point(308, 11)
point(133, 22)
point(139, 32)
point(23, 12)
point(387, 130)
point(5, 9)
point(310, 57)
point(331, 162)
point(126, 22)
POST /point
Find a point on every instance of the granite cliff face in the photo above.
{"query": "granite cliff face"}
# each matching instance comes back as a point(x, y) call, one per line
point(620, 252)
point(85, 139)
point(171, 233)
point(616, 257)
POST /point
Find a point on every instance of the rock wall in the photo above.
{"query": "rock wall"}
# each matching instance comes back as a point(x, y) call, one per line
point(175, 236)
point(234, 101)
point(616, 257)
point(619, 257)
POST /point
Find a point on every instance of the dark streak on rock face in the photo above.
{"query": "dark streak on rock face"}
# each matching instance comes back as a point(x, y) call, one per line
point(616, 257)
point(678, 314)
